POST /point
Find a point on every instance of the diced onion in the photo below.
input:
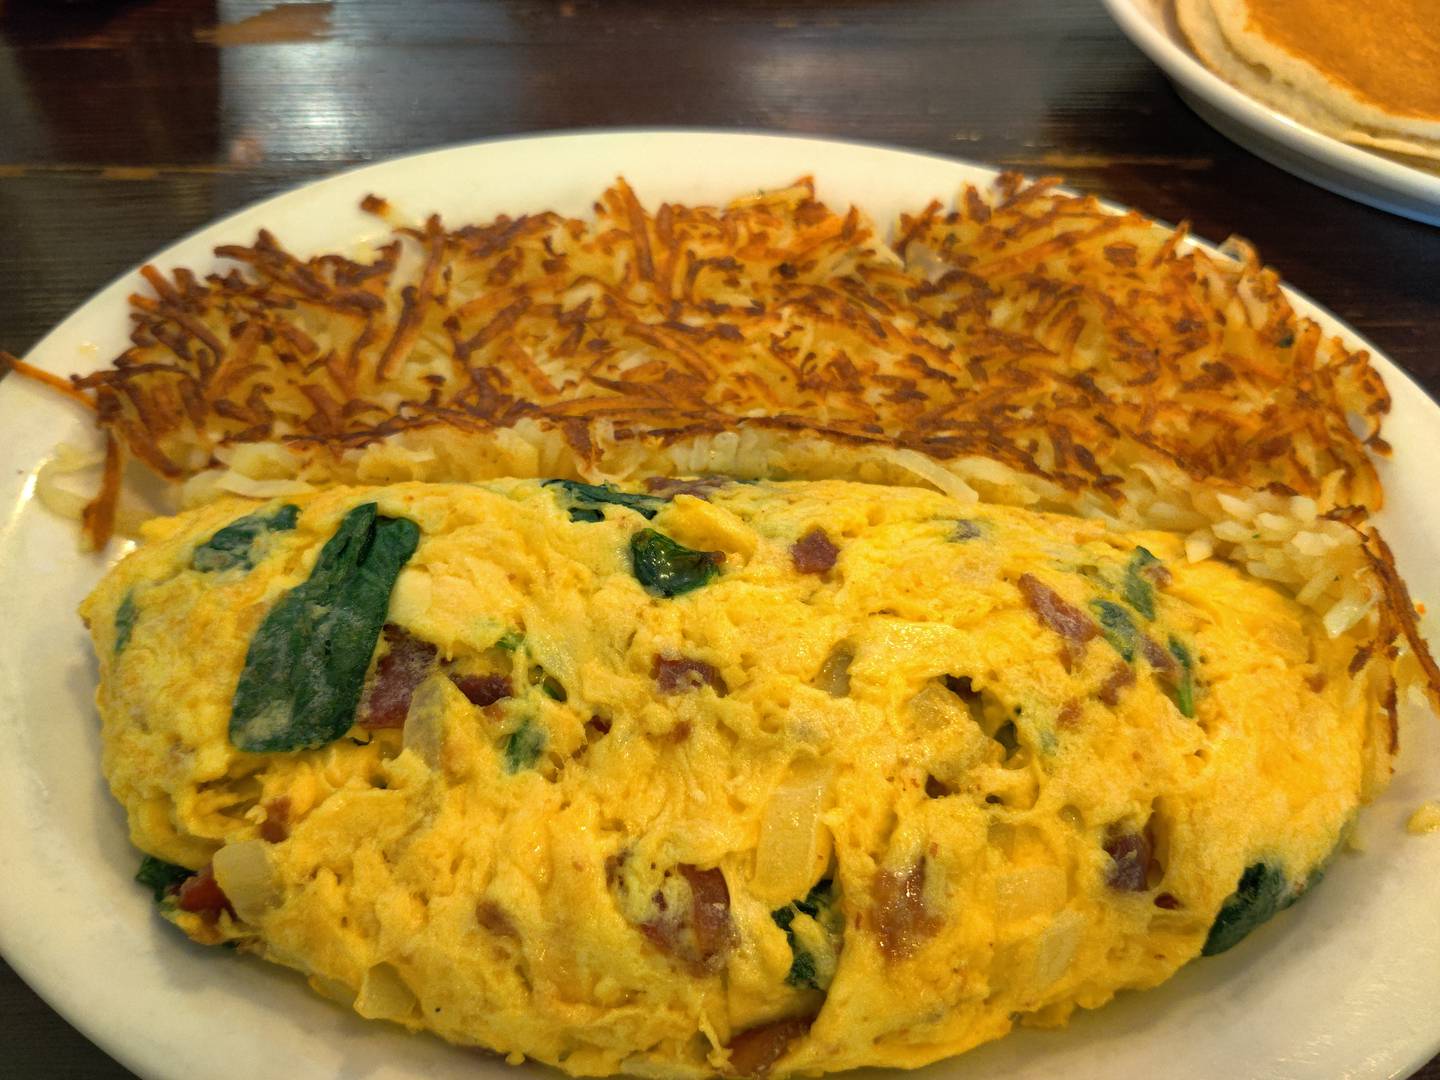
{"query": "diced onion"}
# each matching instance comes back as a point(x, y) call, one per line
point(384, 995)
point(1199, 546)
point(1236, 508)
point(935, 708)
point(1345, 614)
point(1231, 531)
point(1030, 890)
point(793, 844)
point(1056, 948)
point(834, 674)
point(424, 731)
point(244, 874)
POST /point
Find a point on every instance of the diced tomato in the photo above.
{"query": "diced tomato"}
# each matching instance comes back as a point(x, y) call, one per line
point(201, 895)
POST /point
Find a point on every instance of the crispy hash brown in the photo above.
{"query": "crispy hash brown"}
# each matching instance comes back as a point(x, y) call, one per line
point(1027, 326)
point(1029, 346)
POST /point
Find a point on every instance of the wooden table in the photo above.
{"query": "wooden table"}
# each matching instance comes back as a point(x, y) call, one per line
point(125, 125)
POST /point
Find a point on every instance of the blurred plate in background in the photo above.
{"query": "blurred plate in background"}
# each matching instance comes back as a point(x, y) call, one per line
point(1347, 170)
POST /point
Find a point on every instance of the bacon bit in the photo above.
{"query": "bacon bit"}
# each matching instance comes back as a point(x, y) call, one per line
point(1119, 678)
point(1057, 614)
point(709, 912)
point(1131, 854)
point(1157, 574)
point(276, 826)
point(483, 690)
point(373, 204)
point(679, 674)
point(702, 936)
point(902, 921)
point(1360, 659)
point(1159, 658)
point(1069, 714)
point(200, 894)
point(599, 725)
point(754, 1051)
point(701, 487)
point(397, 674)
point(492, 917)
point(814, 553)
point(1168, 902)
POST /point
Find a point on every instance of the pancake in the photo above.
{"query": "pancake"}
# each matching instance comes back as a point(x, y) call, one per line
point(721, 778)
point(1385, 53)
point(1366, 74)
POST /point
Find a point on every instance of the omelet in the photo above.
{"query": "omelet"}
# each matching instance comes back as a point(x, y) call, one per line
point(716, 777)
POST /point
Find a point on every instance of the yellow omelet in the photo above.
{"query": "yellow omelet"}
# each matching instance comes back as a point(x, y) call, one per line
point(719, 778)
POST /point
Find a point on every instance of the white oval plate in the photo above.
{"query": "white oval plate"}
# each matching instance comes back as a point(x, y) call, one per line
point(1345, 984)
point(1347, 170)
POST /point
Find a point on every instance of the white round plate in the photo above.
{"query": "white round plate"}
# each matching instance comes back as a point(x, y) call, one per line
point(1347, 170)
point(1344, 984)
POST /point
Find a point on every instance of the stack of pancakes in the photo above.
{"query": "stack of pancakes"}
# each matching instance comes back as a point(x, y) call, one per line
point(1365, 73)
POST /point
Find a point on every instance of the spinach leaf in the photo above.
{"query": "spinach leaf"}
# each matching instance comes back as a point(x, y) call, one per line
point(510, 640)
point(1139, 593)
point(1117, 626)
point(1263, 890)
point(587, 500)
point(233, 545)
point(159, 876)
point(802, 974)
point(522, 748)
point(964, 529)
point(1185, 685)
point(549, 685)
point(821, 895)
point(812, 927)
point(125, 616)
point(666, 568)
point(306, 665)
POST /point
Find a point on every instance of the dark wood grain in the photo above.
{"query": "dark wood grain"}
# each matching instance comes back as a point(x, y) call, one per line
point(125, 125)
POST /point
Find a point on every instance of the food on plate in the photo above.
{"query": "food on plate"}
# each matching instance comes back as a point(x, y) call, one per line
point(1425, 819)
point(730, 747)
point(1364, 73)
point(706, 776)
point(1027, 346)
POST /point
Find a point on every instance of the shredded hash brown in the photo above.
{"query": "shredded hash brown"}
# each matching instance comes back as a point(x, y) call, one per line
point(1028, 345)
point(1026, 325)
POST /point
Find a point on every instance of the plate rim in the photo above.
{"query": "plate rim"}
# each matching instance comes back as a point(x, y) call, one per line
point(29, 963)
